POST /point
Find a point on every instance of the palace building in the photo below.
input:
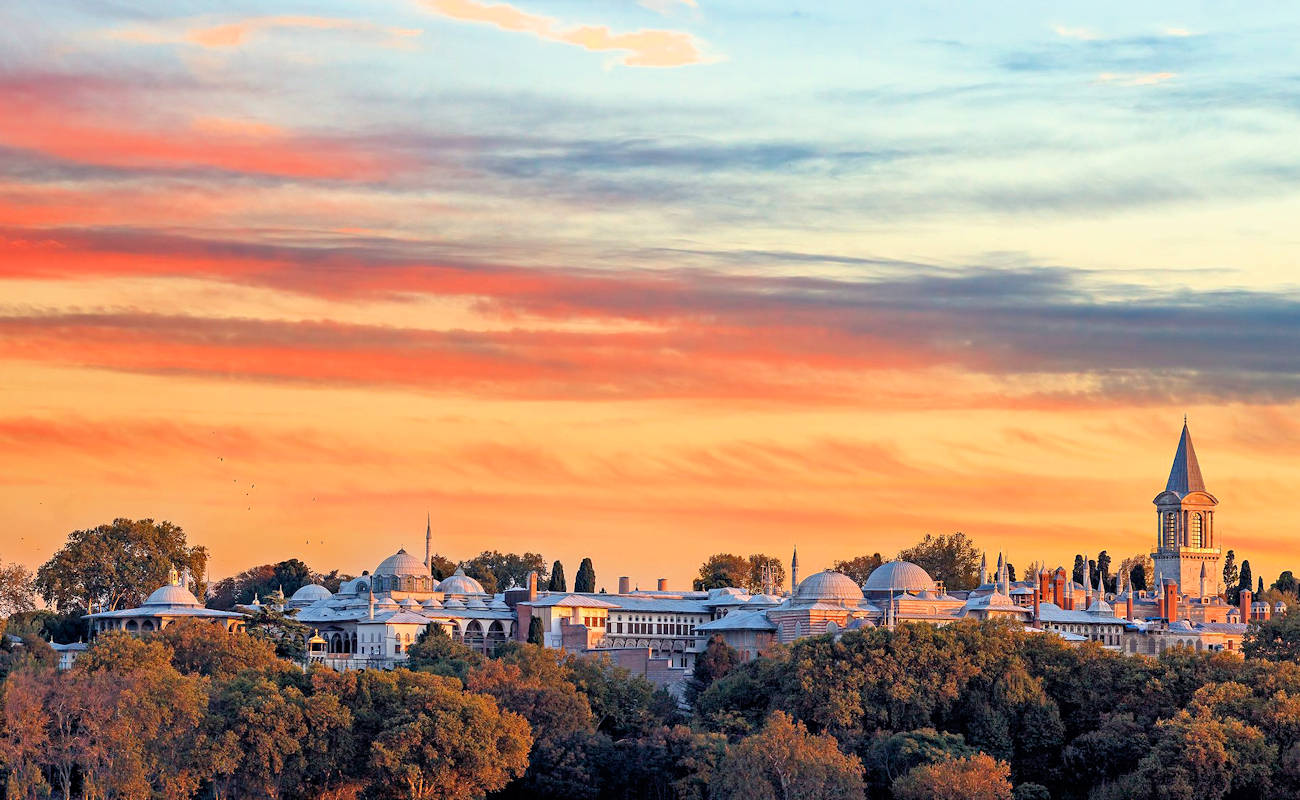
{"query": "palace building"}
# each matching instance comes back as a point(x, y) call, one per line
point(372, 620)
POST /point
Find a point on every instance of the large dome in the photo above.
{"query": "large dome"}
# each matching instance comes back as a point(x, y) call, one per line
point(310, 594)
point(401, 563)
point(172, 595)
point(899, 576)
point(460, 583)
point(828, 585)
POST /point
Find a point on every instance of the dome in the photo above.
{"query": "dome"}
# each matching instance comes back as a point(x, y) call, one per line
point(896, 575)
point(828, 585)
point(764, 600)
point(172, 595)
point(310, 594)
point(401, 563)
point(460, 583)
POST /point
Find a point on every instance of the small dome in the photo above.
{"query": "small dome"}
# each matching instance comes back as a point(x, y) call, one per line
point(460, 583)
point(454, 602)
point(828, 585)
point(727, 593)
point(899, 575)
point(764, 600)
point(401, 563)
point(310, 594)
point(172, 595)
point(432, 602)
point(476, 603)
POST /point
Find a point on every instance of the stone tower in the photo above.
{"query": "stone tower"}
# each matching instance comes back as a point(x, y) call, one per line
point(1186, 542)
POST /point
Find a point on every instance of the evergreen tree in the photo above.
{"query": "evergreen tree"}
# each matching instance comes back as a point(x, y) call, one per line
point(1259, 590)
point(1137, 577)
point(557, 582)
point(586, 580)
point(1103, 569)
point(1079, 566)
point(1011, 572)
point(1286, 583)
point(1246, 581)
point(1230, 576)
point(535, 630)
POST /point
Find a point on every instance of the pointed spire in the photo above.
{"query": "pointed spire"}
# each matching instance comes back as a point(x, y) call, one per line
point(1087, 577)
point(984, 568)
point(1185, 474)
point(428, 542)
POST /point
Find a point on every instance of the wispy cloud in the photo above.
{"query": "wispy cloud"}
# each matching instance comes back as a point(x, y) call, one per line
point(1178, 32)
point(1135, 79)
point(1082, 34)
point(666, 7)
point(235, 34)
point(643, 48)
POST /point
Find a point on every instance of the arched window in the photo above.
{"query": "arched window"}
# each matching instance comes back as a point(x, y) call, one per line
point(1171, 529)
point(1194, 536)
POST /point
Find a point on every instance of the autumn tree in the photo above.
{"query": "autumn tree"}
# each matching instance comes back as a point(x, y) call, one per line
point(891, 756)
point(786, 762)
point(441, 566)
point(722, 570)
point(557, 583)
point(261, 581)
point(436, 652)
point(281, 628)
point(952, 559)
point(17, 589)
point(860, 568)
point(202, 648)
point(586, 578)
point(1274, 639)
point(976, 777)
point(119, 564)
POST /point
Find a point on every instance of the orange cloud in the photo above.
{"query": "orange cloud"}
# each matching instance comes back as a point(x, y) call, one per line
point(644, 48)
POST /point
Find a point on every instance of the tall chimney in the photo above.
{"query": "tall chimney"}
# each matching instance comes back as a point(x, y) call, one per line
point(1244, 602)
point(532, 586)
point(624, 585)
point(1171, 601)
point(663, 584)
point(1128, 605)
point(1058, 587)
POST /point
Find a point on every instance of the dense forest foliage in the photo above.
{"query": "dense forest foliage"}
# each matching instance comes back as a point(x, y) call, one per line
point(972, 710)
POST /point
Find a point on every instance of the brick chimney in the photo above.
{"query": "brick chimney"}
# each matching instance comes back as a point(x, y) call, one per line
point(1171, 601)
point(1244, 604)
point(663, 584)
point(532, 586)
point(1128, 605)
point(1058, 587)
point(624, 585)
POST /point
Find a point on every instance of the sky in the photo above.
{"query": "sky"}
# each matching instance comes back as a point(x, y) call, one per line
point(647, 281)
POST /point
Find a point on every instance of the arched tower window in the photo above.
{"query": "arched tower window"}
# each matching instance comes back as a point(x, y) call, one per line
point(1195, 537)
point(1171, 529)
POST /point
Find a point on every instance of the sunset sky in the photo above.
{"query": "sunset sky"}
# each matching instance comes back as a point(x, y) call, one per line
point(647, 281)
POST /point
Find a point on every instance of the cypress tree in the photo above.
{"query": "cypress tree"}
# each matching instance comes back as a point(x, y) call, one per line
point(586, 580)
point(557, 582)
point(1079, 567)
point(535, 630)
point(1247, 581)
point(1230, 576)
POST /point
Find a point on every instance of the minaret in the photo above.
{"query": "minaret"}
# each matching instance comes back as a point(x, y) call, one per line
point(1087, 583)
point(372, 604)
point(984, 568)
point(428, 543)
point(794, 571)
point(1204, 578)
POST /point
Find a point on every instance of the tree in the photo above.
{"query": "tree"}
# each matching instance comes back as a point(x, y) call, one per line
point(977, 777)
point(452, 746)
point(119, 564)
point(1246, 581)
point(282, 629)
point(860, 568)
point(722, 570)
point(500, 571)
point(890, 757)
point(16, 589)
point(535, 633)
point(952, 559)
point(1137, 577)
point(441, 566)
point(436, 652)
point(1011, 571)
point(754, 583)
point(1231, 576)
point(786, 762)
point(1079, 566)
point(717, 660)
point(1103, 570)
point(1259, 589)
point(557, 582)
point(1286, 583)
point(199, 647)
point(586, 579)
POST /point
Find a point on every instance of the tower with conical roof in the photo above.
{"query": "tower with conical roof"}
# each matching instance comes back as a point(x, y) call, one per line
point(1186, 542)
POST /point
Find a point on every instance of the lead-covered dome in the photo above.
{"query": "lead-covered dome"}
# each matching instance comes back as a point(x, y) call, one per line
point(172, 595)
point(896, 576)
point(460, 583)
point(310, 594)
point(401, 563)
point(828, 585)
